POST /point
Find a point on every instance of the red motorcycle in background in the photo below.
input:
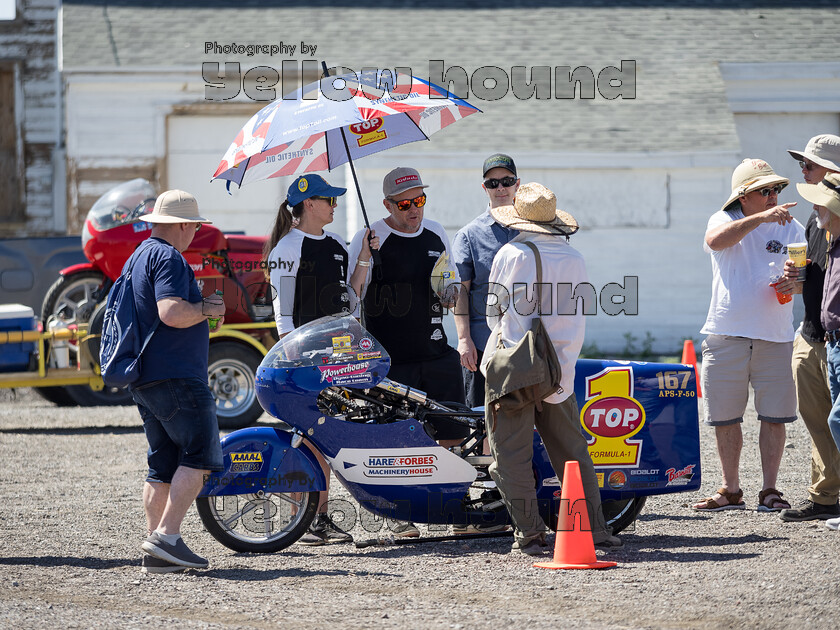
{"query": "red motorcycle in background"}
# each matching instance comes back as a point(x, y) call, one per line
point(113, 229)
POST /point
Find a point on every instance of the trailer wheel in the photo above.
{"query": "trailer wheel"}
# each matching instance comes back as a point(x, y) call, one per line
point(232, 370)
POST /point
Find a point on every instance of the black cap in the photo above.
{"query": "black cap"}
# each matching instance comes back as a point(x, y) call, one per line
point(499, 160)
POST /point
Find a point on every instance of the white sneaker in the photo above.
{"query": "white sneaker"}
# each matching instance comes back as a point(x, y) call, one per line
point(833, 523)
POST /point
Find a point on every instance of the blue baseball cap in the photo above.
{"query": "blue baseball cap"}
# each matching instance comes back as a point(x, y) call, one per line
point(307, 186)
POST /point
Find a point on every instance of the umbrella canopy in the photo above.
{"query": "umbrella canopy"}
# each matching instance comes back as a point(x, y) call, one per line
point(302, 132)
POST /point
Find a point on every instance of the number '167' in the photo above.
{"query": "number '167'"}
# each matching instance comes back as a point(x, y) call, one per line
point(671, 379)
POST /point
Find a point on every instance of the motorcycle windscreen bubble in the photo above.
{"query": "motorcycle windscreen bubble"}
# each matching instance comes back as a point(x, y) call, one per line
point(123, 204)
point(325, 341)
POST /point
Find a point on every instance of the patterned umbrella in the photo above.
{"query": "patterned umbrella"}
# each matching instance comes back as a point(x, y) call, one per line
point(336, 120)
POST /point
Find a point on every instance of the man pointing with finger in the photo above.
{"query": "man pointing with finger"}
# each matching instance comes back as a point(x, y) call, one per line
point(750, 334)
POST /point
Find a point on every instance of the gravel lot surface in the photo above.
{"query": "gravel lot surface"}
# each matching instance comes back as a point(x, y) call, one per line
point(73, 522)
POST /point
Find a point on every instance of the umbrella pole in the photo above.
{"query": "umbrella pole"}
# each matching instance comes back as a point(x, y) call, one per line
point(377, 259)
point(374, 252)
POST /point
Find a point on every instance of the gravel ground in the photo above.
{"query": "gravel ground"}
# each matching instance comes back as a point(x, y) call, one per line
point(73, 522)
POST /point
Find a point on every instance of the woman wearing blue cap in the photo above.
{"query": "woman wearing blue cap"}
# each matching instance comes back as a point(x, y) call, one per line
point(307, 265)
point(308, 270)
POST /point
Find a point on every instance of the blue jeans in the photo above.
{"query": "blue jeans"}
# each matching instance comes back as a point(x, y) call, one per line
point(833, 360)
point(179, 419)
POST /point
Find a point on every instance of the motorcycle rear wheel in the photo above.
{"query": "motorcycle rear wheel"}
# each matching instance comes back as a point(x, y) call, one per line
point(258, 524)
point(621, 514)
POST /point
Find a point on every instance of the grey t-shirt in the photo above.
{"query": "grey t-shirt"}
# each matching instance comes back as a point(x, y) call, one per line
point(473, 250)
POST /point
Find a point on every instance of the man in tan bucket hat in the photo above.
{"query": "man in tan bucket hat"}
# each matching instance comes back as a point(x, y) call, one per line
point(511, 418)
point(172, 396)
point(810, 371)
point(749, 331)
point(825, 196)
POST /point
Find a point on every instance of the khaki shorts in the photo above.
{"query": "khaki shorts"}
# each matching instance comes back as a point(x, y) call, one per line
point(731, 364)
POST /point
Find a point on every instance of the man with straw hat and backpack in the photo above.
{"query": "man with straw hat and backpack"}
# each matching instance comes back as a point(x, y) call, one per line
point(529, 363)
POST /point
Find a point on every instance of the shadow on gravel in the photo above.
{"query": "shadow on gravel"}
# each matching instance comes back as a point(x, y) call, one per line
point(661, 541)
point(72, 430)
point(664, 548)
point(660, 555)
point(257, 575)
point(673, 517)
point(70, 561)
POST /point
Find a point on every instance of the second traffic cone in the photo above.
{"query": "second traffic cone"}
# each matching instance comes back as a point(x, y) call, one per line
point(689, 357)
point(573, 546)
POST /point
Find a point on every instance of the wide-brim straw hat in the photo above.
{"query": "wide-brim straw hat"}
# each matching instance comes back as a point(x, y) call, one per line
point(823, 150)
point(534, 209)
point(826, 193)
point(752, 174)
point(175, 206)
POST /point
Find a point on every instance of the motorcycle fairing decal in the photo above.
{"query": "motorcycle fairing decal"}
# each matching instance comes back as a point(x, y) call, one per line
point(611, 416)
point(423, 465)
point(345, 374)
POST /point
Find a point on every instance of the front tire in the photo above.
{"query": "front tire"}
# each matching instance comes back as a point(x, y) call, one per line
point(74, 298)
point(232, 372)
point(258, 523)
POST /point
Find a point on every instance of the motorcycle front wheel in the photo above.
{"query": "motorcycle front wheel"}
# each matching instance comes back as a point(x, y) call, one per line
point(258, 523)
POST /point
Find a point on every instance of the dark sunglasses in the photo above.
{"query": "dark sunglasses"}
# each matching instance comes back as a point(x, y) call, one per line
point(507, 182)
point(765, 192)
point(330, 200)
point(405, 204)
point(807, 166)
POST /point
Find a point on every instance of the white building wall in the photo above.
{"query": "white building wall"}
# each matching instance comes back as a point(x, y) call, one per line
point(642, 215)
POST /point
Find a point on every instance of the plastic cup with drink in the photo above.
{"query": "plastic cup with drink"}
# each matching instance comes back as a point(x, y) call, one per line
point(796, 252)
point(214, 321)
point(776, 277)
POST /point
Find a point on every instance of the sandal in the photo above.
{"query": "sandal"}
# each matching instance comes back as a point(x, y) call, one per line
point(770, 500)
point(733, 502)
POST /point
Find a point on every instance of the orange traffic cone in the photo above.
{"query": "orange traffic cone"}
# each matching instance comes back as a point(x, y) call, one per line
point(689, 357)
point(573, 547)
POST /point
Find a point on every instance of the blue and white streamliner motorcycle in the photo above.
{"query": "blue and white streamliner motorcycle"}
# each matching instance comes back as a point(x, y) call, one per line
point(327, 382)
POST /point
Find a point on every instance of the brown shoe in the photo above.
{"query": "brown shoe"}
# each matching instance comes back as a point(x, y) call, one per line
point(734, 501)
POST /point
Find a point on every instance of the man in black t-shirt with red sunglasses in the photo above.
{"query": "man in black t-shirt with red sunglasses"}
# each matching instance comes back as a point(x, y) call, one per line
point(400, 308)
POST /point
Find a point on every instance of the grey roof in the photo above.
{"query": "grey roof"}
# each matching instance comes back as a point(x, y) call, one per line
point(680, 103)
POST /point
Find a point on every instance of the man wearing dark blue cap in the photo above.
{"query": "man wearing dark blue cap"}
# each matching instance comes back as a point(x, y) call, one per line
point(473, 250)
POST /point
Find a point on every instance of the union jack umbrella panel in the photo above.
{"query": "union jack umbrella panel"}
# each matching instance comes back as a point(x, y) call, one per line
point(302, 132)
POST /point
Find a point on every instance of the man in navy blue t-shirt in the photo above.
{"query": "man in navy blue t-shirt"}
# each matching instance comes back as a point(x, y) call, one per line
point(177, 408)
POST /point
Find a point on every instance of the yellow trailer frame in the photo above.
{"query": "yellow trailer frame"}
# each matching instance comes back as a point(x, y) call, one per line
point(86, 370)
